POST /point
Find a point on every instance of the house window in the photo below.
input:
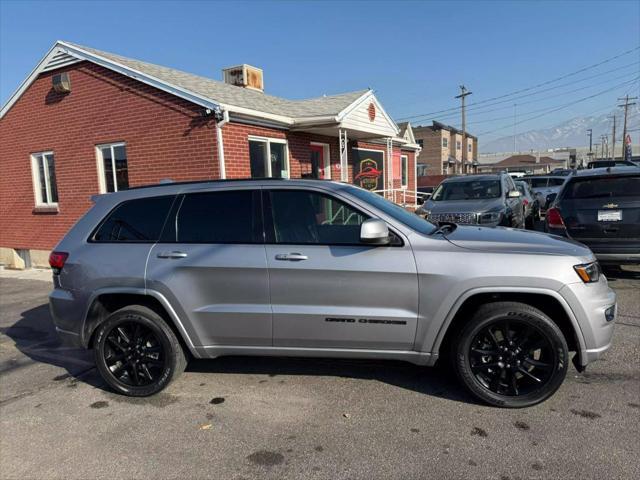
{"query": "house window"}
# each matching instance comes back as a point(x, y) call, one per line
point(458, 145)
point(112, 167)
point(404, 172)
point(44, 178)
point(420, 142)
point(269, 157)
point(445, 142)
point(469, 148)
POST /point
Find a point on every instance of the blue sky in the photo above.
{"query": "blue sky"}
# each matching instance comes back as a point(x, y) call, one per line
point(413, 54)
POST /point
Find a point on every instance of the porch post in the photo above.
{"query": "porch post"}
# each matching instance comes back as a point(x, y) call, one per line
point(344, 163)
point(390, 167)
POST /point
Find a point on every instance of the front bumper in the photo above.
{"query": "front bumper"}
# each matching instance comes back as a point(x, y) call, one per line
point(589, 303)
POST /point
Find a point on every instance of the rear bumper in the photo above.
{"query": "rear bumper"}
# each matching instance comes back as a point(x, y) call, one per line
point(66, 312)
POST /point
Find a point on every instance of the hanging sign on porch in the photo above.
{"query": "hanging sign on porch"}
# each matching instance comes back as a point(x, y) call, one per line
point(368, 169)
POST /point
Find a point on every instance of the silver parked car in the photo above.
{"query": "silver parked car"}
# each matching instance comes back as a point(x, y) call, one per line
point(152, 275)
point(487, 199)
point(530, 204)
point(545, 188)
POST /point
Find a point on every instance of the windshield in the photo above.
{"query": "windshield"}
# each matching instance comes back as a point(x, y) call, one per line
point(608, 187)
point(538, 182)
point(408, 219)
point(468, 190)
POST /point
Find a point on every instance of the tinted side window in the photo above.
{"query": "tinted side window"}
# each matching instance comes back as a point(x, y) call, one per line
point(217, 217)
point(138, 220)
point(312, 218)
point(555, 182)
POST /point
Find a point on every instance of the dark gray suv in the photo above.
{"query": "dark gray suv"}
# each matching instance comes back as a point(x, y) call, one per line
point(150, 276)
point(490, 200)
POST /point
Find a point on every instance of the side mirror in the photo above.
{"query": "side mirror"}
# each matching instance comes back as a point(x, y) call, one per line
point(420, 200)
point(514, 194)
point(374, 232)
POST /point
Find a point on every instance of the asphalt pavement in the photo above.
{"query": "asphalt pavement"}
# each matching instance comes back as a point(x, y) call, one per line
point(242, 418)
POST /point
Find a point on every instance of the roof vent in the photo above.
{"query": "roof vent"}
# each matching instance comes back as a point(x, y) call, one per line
point(245, 76)
point(61, 82)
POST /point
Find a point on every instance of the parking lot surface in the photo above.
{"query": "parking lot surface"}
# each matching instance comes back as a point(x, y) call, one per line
point(240, 418)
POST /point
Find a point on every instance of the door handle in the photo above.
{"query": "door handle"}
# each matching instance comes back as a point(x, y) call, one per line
point(291, 257)
point(172, 255)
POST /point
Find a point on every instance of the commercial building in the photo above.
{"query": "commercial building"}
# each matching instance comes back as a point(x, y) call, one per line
point(528, 164)
point(442, 150)
point(87, 122)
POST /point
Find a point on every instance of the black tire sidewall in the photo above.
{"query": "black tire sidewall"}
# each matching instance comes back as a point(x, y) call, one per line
point(538, 321)
point(150, 320)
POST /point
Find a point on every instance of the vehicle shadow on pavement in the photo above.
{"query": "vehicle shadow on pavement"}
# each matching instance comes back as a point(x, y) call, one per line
point(621, 273)
point(437, 381)
point(34, 335)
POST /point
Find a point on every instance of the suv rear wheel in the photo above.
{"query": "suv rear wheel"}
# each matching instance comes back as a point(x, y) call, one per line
point(136, 352)
point(511, 355)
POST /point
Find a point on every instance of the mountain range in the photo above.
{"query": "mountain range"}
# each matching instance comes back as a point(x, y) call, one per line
point(571, 133)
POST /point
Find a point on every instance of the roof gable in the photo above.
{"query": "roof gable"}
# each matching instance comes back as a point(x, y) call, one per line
point(367, 114)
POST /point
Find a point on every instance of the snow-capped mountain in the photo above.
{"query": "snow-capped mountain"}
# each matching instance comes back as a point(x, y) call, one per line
point(572, 133)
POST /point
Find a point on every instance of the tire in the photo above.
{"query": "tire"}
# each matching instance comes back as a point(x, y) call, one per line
point(511, 375)
point(136, 352)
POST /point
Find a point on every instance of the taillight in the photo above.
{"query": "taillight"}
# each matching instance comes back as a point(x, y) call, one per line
point(525, 201)
point(56, 260)
point(554, 219)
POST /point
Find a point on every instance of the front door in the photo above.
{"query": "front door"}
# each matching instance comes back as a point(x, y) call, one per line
point(317, 160)
point(327, 289)
point(210, 264)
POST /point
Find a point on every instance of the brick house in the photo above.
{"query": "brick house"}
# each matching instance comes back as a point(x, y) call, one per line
point(529, 164)
point(442, 150)
point(87, 122)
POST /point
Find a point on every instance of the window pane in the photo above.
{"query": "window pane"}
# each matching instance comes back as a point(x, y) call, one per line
point(122, 174)
point(278, 161)
point(135, 221)
point(219, 217)
point(108, 169)
point(301, 217)
point(42, 183)
point(53, 189)
point(603, 188)
point(404, 170)
point(257, 155)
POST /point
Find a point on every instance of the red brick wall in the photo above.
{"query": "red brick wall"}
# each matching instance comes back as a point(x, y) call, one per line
point(165, 137)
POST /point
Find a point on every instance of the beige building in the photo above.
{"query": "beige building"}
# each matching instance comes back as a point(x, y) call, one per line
point(442, 150)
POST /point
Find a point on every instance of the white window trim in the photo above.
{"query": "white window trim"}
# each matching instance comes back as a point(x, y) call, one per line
point(404, 165)
point(100, 163)
point(269, 141)
point(326, 161)
point(35, 175)
point(445, 142)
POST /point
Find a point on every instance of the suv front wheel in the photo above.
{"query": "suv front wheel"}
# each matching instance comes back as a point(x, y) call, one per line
point(511, 355)
point(136, 352)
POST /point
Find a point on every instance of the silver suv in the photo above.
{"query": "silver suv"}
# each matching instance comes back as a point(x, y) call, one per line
point(152, 275)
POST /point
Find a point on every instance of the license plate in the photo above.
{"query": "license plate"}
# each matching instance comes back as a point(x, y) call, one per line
point(609, 215)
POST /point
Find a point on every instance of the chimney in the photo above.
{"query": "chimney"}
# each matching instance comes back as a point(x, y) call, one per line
point(246, 76)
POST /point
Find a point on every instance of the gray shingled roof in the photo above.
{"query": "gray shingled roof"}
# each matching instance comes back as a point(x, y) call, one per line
point(220, 92)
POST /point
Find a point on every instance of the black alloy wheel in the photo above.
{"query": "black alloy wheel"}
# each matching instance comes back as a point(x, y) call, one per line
point(511, 354)
point(136, 352)
point(511, 358)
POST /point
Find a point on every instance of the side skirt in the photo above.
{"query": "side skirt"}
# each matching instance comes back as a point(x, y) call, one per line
point(417, 358)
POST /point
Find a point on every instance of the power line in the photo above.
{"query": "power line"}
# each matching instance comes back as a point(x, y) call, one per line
point(562, 77)
point(563, 106)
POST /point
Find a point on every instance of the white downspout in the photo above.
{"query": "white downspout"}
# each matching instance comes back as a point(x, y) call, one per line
point(219, 125)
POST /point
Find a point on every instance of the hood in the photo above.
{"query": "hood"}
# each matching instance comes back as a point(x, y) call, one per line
point(512, 240)
point(463, 206)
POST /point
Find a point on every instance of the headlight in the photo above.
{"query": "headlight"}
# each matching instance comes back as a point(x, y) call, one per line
point(588, 272)
point(490, 217)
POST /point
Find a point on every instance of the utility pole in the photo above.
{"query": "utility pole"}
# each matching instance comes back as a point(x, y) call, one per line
point(590, 154)
point(463, 94)
point(604, 152)
point(626, 106)
point(514, 128)
point(613, 140)
point(596, 145)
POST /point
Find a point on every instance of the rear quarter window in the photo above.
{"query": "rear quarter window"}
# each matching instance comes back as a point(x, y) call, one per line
point(607, 187)
point(134, 221)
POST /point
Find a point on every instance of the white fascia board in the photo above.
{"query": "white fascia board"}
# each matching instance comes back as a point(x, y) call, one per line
point(29, 80)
